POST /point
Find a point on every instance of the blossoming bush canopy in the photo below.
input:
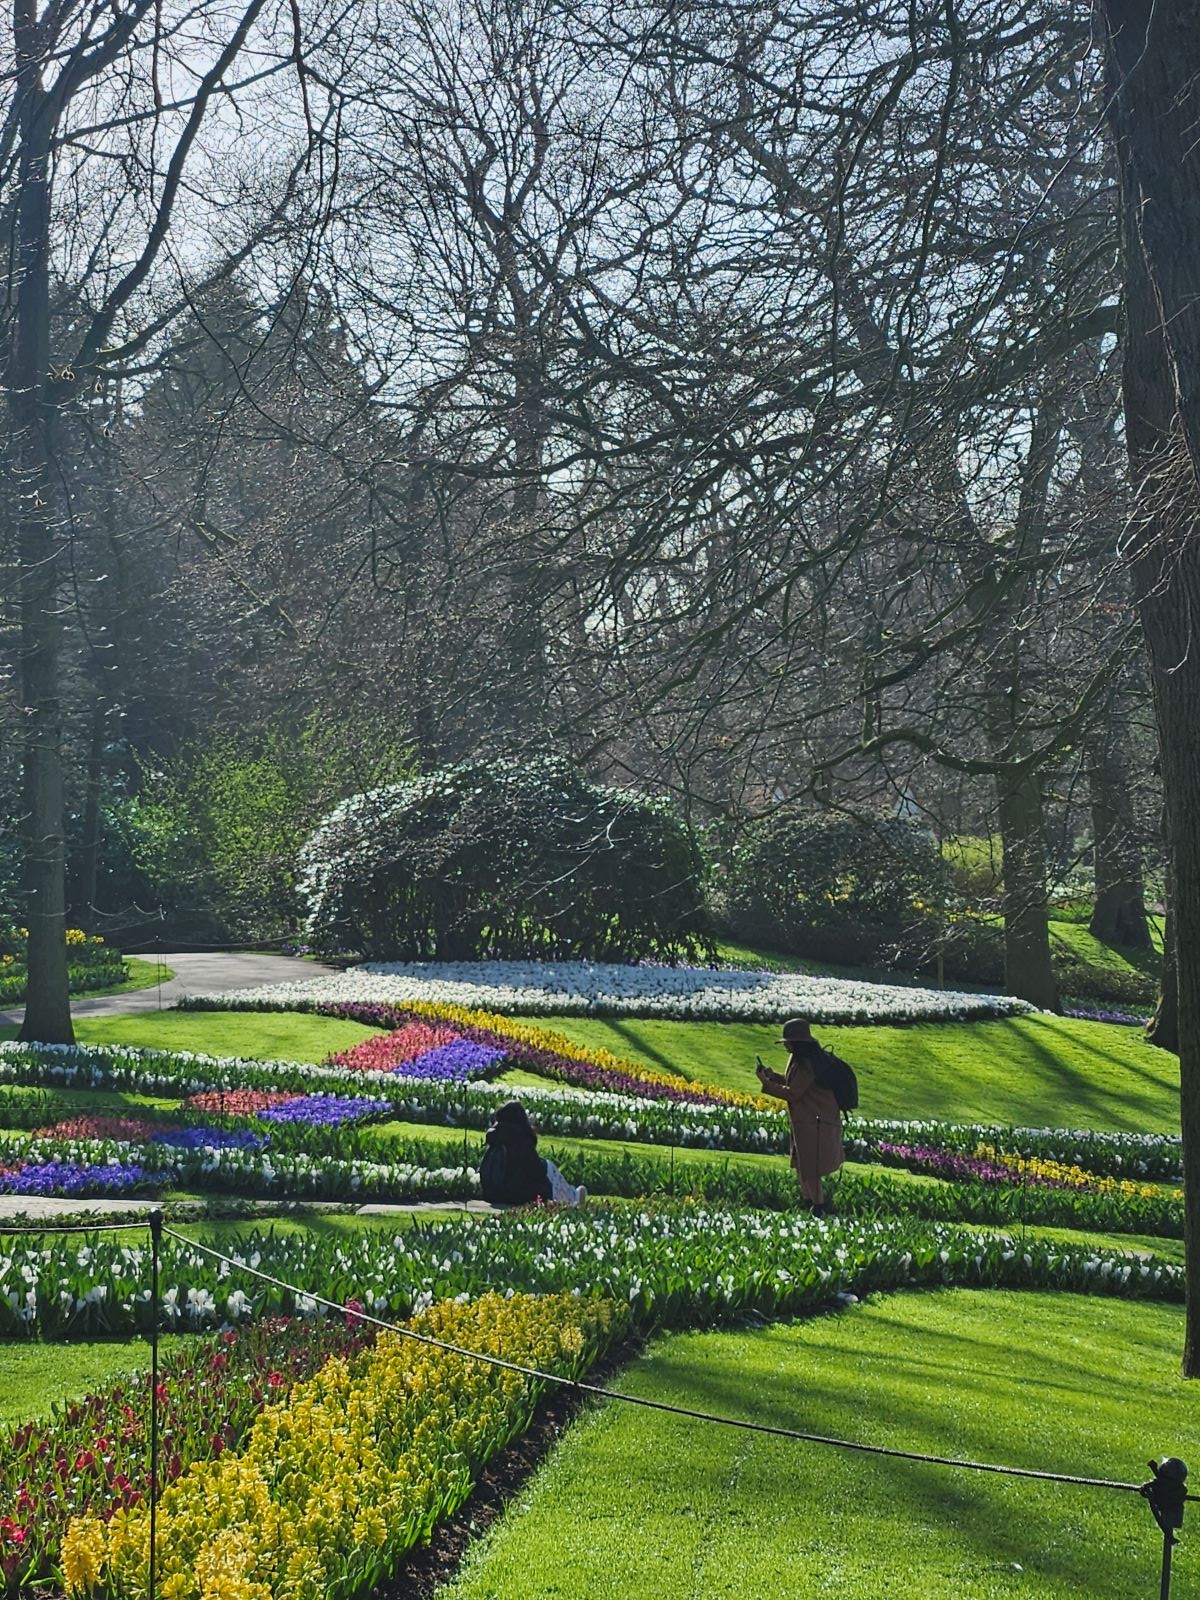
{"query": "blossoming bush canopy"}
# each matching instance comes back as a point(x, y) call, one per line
point(504, 859)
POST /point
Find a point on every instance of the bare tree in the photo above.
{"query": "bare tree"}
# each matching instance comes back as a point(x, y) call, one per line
point(1153, 108)
point(125, 130)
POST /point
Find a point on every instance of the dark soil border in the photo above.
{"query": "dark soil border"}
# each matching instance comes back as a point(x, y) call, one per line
point(427, 1567)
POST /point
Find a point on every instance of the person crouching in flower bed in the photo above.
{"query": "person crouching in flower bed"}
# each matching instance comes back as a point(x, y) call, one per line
point(512, 1173)
point(812, 1108)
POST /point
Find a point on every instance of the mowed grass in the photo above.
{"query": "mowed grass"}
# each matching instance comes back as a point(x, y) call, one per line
point(264, 1035)
point(33, 1377)
point(1040, 1071)
point(636, 1505)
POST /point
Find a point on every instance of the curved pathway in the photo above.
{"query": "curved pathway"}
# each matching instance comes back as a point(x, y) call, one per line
point(196, 972)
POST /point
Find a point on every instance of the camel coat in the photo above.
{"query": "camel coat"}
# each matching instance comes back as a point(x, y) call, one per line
point(813, 1113)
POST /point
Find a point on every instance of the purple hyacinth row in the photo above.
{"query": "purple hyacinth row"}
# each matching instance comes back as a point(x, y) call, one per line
point(213, 1139)
point(324, 1110)
point(949, 1164)
point(1127, 1019)
point(70, 1178)
point(455, 1063)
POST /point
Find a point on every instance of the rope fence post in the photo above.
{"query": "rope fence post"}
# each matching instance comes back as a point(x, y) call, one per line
point(156, 1229)
point(1167, 1492)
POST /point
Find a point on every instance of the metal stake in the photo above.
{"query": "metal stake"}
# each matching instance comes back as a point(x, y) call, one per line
point(1166, 1492)
point(156, 1225)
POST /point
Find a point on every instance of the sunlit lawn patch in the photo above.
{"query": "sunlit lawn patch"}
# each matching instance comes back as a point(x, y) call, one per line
point(638, 1506)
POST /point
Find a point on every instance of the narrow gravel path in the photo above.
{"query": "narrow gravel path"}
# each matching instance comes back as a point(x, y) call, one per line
point(196, 972)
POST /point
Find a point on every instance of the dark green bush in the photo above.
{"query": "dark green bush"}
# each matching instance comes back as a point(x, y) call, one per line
point(840, 887)
point(505, 859)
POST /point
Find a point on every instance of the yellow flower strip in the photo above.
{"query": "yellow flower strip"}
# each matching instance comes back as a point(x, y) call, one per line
point(1072, 1176)
point(547, 1039)
point(356, 1466)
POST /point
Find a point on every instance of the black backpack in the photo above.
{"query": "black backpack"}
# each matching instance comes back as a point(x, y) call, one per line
point(493, 1173)
point(831, 1072)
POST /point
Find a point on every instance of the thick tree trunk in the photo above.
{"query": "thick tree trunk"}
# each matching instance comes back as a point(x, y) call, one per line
point(1027, 969)
point(30, 417)
point(1119, 914)
point(1153, 103)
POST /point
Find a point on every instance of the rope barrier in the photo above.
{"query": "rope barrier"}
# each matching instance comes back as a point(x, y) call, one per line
point(603, 1392)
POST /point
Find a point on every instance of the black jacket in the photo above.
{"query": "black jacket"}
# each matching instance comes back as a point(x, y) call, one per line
point(512, 1172)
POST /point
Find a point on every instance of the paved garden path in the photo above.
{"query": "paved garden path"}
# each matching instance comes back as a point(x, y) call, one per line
point(196, 972)
point(16, 1208)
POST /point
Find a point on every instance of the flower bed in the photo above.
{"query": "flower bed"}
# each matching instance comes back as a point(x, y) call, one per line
point(676, 1264)
point(216, 1085)
point(91, 964)
point(584, 988)
point(55, 1176)
point(130, 1130)
point(354, 1467)
point(92, 1456)
point(227, 1164)
point(236, 1102)
point(1138, 1155)
point(516, 1044)
point(988, 1165)
point(324, 1110)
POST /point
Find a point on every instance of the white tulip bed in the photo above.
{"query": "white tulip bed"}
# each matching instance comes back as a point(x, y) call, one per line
point(585, 988)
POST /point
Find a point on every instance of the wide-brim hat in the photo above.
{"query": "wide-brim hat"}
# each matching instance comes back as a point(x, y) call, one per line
point(796, 1030)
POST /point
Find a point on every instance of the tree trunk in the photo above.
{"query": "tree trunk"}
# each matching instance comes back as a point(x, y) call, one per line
point(1027, 969)
point(30, 414)
point(1154, 83)
point(87, 857)
point(1028, 972)
point(1119, 914)
point(1163, 1027)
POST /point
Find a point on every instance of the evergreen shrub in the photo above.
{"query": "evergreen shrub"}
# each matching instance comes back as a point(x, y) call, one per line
point(505, 860)
point(838, 886)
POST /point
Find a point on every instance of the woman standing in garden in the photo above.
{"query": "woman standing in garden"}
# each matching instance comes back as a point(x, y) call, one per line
point(813, 1109)
point(512, 1172)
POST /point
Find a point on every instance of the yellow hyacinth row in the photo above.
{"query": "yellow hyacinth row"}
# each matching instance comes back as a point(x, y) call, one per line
point(547, 1039)
point(1074, 1177)
point(355, 1467)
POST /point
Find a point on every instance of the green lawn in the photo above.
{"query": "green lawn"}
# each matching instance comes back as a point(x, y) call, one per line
point(268, 1035)
point(1037, 1070)
point(33, 1377)
point(1072, 946)
point(635, 1505)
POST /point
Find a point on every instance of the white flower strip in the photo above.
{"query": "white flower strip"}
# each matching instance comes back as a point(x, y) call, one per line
point(674, 1267)
point(585, 988)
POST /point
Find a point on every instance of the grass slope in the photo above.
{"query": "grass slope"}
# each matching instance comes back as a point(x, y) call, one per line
point(1040, 1070)
point(269, 1035)
point(642, 1506)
